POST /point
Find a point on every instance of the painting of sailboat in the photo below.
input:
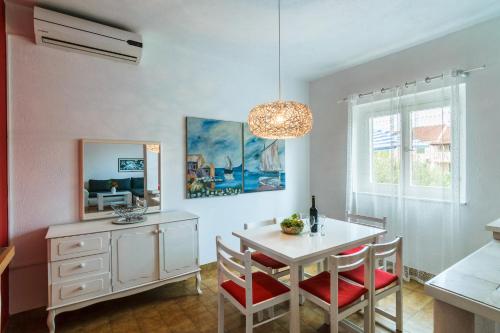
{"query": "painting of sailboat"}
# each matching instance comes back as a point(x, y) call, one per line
point(214, 158)
point(264, 163)
point(228, 169)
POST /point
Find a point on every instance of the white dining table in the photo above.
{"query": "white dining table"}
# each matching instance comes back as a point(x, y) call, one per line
point(296, 251)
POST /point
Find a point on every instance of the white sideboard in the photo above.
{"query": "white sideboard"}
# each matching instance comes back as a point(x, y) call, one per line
point(91, 262)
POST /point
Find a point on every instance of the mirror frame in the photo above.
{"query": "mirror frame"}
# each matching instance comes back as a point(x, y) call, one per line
point(81, 181)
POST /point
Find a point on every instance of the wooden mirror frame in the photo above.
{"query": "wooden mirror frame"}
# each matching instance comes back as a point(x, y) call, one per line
point(108, 214)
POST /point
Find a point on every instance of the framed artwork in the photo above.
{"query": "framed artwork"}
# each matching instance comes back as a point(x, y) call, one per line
point(130, 164)
point(264, 163)
point(214, 156)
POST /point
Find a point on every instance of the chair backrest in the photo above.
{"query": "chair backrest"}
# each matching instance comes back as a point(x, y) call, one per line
point(349, 262)
point(385, 250)
point(377, 222)
point(254, 225)
point(226, 261)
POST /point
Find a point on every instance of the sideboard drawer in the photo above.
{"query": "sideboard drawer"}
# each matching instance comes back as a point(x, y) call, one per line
point(81, 289)
point(78, 246)
point(79, 267)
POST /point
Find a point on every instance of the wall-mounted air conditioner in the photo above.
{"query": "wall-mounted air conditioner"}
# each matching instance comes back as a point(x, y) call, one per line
point(74, 34)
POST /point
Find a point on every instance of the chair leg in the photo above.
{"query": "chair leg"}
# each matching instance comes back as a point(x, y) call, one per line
point(270, 312)
point(327, 317)
point(221, 314)
point(399, 311)
point(367, 324)
point(334, 324)
point(249, 323)
point(260, 316)
point(319, 267)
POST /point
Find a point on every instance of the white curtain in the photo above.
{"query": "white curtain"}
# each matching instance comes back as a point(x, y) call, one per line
point(406, 161)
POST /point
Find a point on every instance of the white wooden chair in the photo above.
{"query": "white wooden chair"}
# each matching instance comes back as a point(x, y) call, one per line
point(384, 283)
point(370, 221)
point(249, 292)
point(270, 265)
point(338, 297)
point(264, 262)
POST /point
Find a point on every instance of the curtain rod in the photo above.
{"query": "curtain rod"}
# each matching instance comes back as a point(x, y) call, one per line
point(428, 79)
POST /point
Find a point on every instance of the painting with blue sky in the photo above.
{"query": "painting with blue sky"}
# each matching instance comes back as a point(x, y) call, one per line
point(214, 157)
point(264, 163)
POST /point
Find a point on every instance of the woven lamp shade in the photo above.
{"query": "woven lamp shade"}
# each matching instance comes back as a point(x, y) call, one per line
point(280, 120)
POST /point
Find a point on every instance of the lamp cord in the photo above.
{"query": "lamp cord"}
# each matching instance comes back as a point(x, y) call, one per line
point(279, 50)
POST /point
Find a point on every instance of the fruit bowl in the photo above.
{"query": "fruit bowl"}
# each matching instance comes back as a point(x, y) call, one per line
point(130, 215)
point(292, 225)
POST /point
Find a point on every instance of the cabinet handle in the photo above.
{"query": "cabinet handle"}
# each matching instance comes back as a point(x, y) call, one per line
point(82, 287)
point(81, 244)
point(161, 231)
point(82, 265)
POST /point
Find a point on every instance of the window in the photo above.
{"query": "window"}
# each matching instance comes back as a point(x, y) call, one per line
point(406, 144)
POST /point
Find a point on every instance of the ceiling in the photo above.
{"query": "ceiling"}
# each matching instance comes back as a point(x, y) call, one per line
point(319, 37)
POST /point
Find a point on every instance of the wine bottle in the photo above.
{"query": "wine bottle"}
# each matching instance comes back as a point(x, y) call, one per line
point(313, 216)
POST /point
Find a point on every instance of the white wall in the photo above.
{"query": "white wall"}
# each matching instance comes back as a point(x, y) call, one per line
point(465, 49)
point(56, 98)
point(101, 160)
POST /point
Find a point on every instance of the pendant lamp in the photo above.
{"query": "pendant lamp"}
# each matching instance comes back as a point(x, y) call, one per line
point(280, 119)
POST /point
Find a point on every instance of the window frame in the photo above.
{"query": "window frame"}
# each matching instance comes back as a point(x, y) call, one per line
point(425, 100)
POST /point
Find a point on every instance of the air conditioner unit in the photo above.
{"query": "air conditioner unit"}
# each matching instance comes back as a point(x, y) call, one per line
point(78, 35)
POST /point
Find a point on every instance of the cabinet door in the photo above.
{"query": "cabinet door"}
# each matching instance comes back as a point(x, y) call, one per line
point(135, 256)
point(178, 248)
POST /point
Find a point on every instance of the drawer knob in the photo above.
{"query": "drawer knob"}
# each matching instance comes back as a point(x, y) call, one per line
point(82, 287)
point(82, 265)
point(161, 231)
point(81, 244)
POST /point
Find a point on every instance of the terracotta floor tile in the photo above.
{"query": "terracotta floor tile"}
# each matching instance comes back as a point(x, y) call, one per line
point(177, 308)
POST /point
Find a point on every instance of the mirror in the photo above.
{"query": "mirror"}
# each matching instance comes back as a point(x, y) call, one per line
point(118, 173)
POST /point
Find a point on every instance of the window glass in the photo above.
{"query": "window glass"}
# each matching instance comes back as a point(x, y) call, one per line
point(430, 147)
point(385, 149)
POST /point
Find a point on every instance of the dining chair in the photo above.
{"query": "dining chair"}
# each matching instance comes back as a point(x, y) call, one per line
point(384, 283)
point(248, 292)
point(338, 297)
point(264, 262)
point(366, 220)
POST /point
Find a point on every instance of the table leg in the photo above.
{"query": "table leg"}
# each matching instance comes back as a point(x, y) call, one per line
point(294, 299)
point(100, 202)
point(301, 278)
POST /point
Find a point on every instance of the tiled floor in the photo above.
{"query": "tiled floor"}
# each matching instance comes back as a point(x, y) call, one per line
point(177, 308)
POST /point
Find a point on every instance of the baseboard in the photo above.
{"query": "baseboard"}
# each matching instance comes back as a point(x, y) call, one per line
point(411, 273)
point(208, 266)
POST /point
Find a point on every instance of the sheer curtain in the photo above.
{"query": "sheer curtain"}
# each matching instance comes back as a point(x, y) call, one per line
point(406, 161)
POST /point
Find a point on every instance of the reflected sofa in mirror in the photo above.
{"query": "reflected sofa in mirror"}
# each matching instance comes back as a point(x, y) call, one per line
point(114, 172)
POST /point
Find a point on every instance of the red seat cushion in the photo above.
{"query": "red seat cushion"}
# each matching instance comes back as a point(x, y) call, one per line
point(352, 251)
point(382, 278)
point(319, 286)
point(266, 261)
point(264, 287)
